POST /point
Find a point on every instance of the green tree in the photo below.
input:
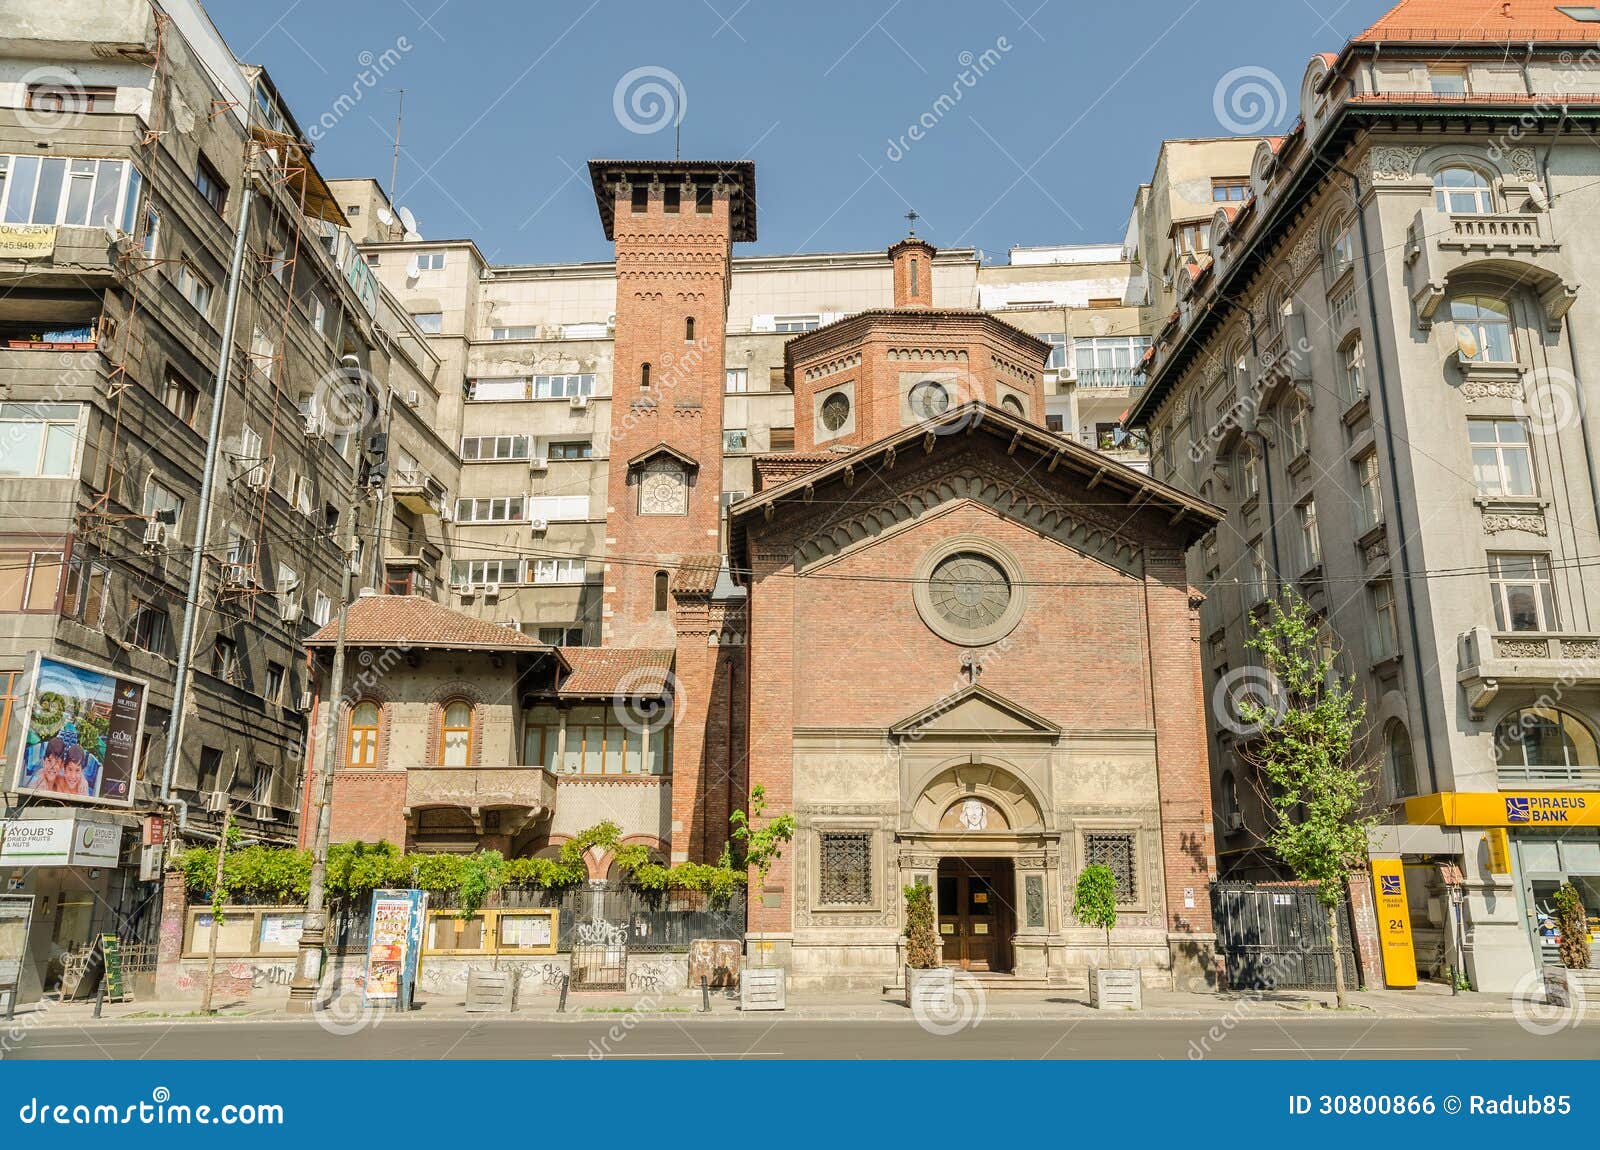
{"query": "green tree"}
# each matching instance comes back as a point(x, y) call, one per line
point(1304, 746)
point(1094, 901)
point(922, 938)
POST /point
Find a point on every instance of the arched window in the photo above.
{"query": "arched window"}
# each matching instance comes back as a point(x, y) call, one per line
point(455, 733)
point(362, 748)
point(1462, 190)
point(1542, 743)
point(1341, 246)
point(661, 590)
point(688, 328)
point(1402, 767)
point(644, 377)
point(1483, 329)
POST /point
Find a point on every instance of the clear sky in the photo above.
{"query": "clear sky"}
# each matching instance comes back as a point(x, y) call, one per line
point(1061, 105)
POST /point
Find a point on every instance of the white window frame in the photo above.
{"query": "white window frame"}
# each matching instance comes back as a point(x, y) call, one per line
point(1541, 581)
point(1310, 537)
point(48, 417)
point(1493, 455)
point(123, 189)
point(736, 380)
point(511, 442)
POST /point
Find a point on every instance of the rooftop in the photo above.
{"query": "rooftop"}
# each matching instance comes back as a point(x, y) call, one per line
point(412, 621)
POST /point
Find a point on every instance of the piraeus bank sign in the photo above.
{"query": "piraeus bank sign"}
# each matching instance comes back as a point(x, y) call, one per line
point(1506, 809)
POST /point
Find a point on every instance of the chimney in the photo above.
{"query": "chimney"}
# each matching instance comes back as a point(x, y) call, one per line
point(913, 272)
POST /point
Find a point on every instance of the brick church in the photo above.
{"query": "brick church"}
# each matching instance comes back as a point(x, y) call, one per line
point(959, 647)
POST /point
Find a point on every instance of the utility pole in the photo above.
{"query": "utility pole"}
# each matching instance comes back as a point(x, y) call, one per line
point(218, 898)
point(314, 932)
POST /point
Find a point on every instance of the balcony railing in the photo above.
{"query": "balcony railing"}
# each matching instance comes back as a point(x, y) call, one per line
point(1514, 778)
point(476, 788)
point(1110, 377)
point(1488, 660)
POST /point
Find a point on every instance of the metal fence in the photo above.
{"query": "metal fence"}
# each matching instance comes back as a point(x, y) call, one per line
point(1274, 936)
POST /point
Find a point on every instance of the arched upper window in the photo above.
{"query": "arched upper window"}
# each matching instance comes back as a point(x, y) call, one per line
point(1341, 246)
point(455, 733)
point(361, 750)
point(1462, 190)
point(644, 377)
point(688, 328)
point(661, 590)
point(1402, 767)
point(1543, 742)
point(1483, 328)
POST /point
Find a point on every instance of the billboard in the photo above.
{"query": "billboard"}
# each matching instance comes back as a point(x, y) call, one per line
point(394, 947)
point(81, 733)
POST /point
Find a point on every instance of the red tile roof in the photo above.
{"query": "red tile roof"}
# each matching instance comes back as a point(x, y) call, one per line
point(1459, 21)
point(696, 574)
point(412, 621)
point(632, 671)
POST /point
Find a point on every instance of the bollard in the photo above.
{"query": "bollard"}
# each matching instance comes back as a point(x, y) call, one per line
point(11, 1001)
point(561, 1007)
point(100, 998)
point(705, 995)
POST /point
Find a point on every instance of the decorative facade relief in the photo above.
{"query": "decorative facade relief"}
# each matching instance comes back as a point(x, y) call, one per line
point(1491, 389)
point(1493, 523)
point(1522, 163)
point(1393, 163)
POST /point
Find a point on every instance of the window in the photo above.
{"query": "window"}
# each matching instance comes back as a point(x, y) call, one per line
point(275, 680)
point(430, 261)
point(1256, 573)
point(71, 100)
point(1483, 329)
point(321, 609)
point(180, 397)
point(1383, 635)
point(526, 331)
point(1447, 80)
point(560, 637)
point(558, 571)
point(1194, 239)
point(735, 441)
point(1114, 851)
point(702, 199)
point(159, 499)
point(1369, 501)
point(74, 191)
point(209, 182)
point(38, 440)
point(661, 590)
point(428, 322)
point(277, 261)
point(319, 315)
point(1249, 473)
point(671, 199)
point(1341, 249)
point(1462, 191)
point(1232, 190)
point(361, 749)
point(504, 509)
point(491, 448)
point(688, 329)
point(640, 198)
point(1059, 343)
point(1310, 541)
point(455, 734)
point(737, 380)
point(559, 508)
point(1402, 767)
point(1109, 361)
point(1299, 426)
point(574, 449)
point(844, 868)
point(795, 323)
point(476, 572)
point(225, 659)
point(29, 581)
point(150, 242)
point(1354, 359)
point(88, 586)
point(195, 288)
point(1524, 597)
point(562, 386)
point(1543, 744)
point(1228, 799)
point(263, 353)
point(599, 742)
point(644, 377)
point(252, 462)
point(1502, 461)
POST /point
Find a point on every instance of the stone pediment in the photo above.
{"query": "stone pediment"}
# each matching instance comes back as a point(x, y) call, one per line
point(976, 711)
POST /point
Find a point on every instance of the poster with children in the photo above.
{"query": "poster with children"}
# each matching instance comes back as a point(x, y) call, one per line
point(81, 738)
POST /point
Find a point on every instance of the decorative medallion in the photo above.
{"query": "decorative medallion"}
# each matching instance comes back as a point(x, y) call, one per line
point(663, 489)
point(969, 590)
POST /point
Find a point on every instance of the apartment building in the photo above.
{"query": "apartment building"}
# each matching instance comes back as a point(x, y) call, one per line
point(1379, 374)
point(154, 192)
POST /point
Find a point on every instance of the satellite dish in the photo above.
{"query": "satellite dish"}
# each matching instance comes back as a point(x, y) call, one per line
point(412, 269)
point(1538, 198)
point(385, 217)
point(409, 222)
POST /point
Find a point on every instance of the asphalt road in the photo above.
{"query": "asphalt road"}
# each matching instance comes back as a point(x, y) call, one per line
point(689, 1038)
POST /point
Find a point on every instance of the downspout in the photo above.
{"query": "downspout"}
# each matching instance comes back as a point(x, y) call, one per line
point(1399, 513)
point(1266, 472)
point(219, 391)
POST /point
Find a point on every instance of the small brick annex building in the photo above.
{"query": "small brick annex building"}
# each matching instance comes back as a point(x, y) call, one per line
point(960, 648)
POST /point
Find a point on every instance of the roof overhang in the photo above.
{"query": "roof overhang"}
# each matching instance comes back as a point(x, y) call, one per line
point(739, 175)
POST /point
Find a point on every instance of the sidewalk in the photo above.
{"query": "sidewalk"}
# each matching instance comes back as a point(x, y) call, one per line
point(1426, 1002)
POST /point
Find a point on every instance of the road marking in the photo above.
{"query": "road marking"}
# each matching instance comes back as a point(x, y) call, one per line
point(71, 1045)
point(1364, 1049)
point(680, 1054)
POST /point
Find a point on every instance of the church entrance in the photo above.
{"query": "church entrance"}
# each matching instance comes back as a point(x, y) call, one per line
point(976, 917)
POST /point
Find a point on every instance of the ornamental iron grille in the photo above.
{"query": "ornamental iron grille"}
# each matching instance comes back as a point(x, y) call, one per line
point(1115, 853)
point(845, 868)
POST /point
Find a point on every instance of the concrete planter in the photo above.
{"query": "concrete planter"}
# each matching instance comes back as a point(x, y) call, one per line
point(1115, 988)
point(1562, 986)
point(762, 988)
point(931, 991)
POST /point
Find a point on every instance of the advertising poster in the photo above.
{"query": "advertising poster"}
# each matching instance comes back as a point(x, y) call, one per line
point(81, 737)
point(394, 946)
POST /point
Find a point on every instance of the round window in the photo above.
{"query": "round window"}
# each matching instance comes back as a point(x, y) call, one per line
point(969, 591)
point(928, 399)
point(835, 411)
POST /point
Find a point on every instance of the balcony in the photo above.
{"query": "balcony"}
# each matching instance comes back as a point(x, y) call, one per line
point(1515, 243)
point(1109, 377)
point(522, 795)
point(1487, 661)
point(416, 491)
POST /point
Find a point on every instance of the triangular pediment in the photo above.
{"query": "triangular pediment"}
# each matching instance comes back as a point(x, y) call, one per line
point(663, 450)
point(976, 710)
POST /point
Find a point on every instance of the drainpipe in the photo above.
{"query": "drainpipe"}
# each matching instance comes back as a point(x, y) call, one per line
point(191, 610)
point(1266, 470)
point(1399, 513)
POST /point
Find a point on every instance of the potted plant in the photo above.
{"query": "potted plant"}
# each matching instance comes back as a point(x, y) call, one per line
point(1572, 921)
point(1095, 904)
point(927, 982)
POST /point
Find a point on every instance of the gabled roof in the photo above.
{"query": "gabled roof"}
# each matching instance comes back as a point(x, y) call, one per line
point(976, 708)
point(650, 453)
point(412, 621)
point(629, 671)
point(1461, 21)
point(696, 574)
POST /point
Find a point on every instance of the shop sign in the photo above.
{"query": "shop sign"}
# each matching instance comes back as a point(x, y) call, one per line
point(74, 841)
point(1499, 843)
point(27, 241)
point(1506, 809)
point(1394, 923)
point(81, 739)
point(394, 947)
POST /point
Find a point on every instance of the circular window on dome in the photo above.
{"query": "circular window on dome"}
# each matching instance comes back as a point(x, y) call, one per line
point(835, 411)
point(928, 399)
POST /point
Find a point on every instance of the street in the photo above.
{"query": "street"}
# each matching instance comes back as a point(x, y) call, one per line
point(642, 1037)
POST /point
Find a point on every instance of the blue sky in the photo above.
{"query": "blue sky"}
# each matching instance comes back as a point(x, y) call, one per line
point(1061, 105)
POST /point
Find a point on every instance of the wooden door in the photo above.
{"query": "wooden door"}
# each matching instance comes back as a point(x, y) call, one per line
point(969, 919)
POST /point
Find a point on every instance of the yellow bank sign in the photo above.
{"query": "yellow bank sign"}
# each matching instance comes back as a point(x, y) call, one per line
point(1506, 809)
point(1394, 922)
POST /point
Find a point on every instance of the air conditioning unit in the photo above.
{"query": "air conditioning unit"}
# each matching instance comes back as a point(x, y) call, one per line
point(579, 402)
point(467, 590)
point(413, 398)
point(538, 463)
point(306, 702)
point(447, 514)
point(539, 526)
point(491, 590)
point(292, 612)
point(258, 474)
point(316, 427)
point(155, 536)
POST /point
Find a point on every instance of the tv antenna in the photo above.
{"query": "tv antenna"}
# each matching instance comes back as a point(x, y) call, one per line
point(399, 116)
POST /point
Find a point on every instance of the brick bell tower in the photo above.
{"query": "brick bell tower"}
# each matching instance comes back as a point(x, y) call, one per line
point(674, 224)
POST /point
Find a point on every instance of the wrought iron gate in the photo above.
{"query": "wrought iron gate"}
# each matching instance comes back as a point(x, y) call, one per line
point(1275, 937)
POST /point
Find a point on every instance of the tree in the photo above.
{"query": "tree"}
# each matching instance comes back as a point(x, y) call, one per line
point(922, 938)
point(1304, 747)
point(1094, 902)
point(1573, 923)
